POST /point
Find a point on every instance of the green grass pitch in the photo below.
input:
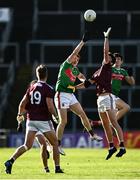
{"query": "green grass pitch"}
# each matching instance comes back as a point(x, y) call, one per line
point(77, 164)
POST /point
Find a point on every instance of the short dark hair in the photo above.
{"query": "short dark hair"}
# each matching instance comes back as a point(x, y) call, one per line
point(41, 71)
point(118, 55)
point(112, 57)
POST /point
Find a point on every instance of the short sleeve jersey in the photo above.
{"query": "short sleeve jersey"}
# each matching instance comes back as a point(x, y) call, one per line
point(118, 75)
point(102, 79)
point(67, 76)
point(37, 108)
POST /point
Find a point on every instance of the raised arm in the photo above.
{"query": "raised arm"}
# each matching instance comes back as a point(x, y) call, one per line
point(130, 78)
point(78, 48)
point(81, 77)
point(106, 46)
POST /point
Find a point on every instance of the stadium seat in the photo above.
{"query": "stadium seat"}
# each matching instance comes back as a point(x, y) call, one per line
point(2, 29)
point(116, 5)
point(130, 54)
point(3, 74)
point(73, 5)
point(57, 54)
point(10, 54)
point(124, 5)
point(52, 75)
point(135, 98)
point(133, 121)
point(137, 75)
point(54, 29)
point(135, 29)
point(48, 5)
point(115, 20)
point(34, 52)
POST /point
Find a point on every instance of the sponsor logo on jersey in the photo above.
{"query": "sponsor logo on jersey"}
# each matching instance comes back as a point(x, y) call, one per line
point(69, 73)
point(117, 76)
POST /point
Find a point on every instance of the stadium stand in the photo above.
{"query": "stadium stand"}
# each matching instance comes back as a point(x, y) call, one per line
point(135, 29)
point(48, 30)
point(122, 5)
point(49, 5)
point(88, 4)
point(54, 29)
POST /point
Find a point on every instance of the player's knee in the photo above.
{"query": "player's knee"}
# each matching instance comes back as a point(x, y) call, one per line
point(26, 147)
point(127, 107)
point(63, 123)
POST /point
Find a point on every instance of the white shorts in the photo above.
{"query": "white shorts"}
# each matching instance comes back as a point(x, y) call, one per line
point(64, 100)
point(116, 97)
point(39, 133)
point(41, 126)
point(106, 102)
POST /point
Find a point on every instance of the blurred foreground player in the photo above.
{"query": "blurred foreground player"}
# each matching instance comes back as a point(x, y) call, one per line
point(39, 98)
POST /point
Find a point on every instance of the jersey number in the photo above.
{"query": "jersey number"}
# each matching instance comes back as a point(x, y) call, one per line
point(35, 97)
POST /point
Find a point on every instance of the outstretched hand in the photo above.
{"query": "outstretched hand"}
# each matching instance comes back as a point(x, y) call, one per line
point(86, 36)
point(106, 34)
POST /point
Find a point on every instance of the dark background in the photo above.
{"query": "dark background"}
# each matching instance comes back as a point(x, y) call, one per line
point(46, 31)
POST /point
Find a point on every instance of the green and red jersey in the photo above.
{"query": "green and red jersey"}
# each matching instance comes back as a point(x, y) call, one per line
point(67, 76)
point(118, 75)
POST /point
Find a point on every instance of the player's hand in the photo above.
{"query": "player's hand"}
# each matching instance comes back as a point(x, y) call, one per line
point(71, 87)
point(106, 34)
point(19, 128)
point(86, 36)
point(55, 119)
point(130, 71)
point(20, 118)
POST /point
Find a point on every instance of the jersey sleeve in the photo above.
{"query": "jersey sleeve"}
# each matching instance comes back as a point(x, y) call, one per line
point(75, 71)
point(49, 92)
point(125, 72)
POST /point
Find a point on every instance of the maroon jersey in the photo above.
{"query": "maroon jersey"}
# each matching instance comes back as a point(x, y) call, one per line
point(102, 78)
point(37, 108)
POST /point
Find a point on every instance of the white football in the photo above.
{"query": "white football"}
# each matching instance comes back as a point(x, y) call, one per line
point(90, 15)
